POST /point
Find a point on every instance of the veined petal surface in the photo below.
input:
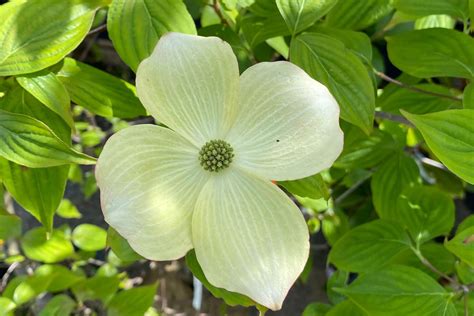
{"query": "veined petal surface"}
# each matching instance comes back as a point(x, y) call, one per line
point(287, 126)
point(249, 237)
point(150, 179)
point(190, 83)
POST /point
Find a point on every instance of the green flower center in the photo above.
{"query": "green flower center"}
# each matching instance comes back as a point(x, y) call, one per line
point(216, 155)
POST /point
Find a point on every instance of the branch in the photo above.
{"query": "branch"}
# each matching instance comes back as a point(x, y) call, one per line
point(415, 89)
point(217, 8)
point(394, 118)
point(97, 29)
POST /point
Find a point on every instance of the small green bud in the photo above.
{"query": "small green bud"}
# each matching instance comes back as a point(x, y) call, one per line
point(216, 155)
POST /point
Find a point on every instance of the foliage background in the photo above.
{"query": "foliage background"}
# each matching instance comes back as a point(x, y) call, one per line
point(391, 222)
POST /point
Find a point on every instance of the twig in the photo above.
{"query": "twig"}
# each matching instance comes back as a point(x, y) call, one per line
point(217, 8)
point(7, 274)
point(97, 29)
point(393, 117)
point(349, 191)
point(403, 85)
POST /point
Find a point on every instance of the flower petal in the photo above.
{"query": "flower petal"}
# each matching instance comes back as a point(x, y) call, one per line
point(190, 83)
point(249, 237)
point(150, 179)
point(288, 124)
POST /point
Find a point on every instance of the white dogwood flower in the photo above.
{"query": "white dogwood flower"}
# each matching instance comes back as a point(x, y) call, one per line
point(204, 182)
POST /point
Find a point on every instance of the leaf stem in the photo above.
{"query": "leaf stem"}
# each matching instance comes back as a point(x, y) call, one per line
point(393, 117)
point(415, 89)
point(217, 8)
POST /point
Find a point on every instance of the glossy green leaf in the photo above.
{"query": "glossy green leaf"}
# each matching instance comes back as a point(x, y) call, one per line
point(301, 14)
point(464, 272)
point(31, 143)
point(257, 29)
point(357, 42)
point(346, 308)
point(370, 246)
point(31, 287)
point(468, 96)
point(426, 212)
point(451, 53)
point(356, 14)
point(329, 61)
point(121, 247)
point(230, 298)
point(67, 210)
point(400, 290)
point(135, 26)
point(362, 151)
point(89, 237)
point(456, 8)
point(416, 102)
point(37, 247)
point(466, 223)
point(435, 21)
point(18, 100)
point(39, 33)
point(132, 302)
point(449, 135)
point(10, 226)
point(60, 278)
point(312, 187)
point(7, 306)
point(59, 305)
point(47, 88)
point(462, 245)
point(37, 190)
point(316, 309)
point(98, 91)
point(389, 181)
point(96, 288)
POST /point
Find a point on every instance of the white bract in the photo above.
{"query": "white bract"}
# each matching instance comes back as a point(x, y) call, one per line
point(249, 237)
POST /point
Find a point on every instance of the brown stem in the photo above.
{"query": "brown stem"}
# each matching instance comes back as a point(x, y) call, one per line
point(403, 85)
point(393, 117)
point(217, 8)
point(97, 29)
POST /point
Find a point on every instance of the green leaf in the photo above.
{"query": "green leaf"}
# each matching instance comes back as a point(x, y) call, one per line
point(336, 280)
point(312, 187)
point(346, 308)
point(98, 91)
point(135, 26)
point(464, 272)
point(37, 247)
point(329, 61)
point(60, 278)
point(121, 247)
point(451, 53)
point(416, 102)
point(357, 42)
point(37, 190)
point(31, 143)
point(68, 210)
point(89, 237)
point(449, 135)
point(434, 21)
point(369, 247)
point(455, 8)
point(39, 33)
point(335, 226)
point(316, 309)
point(132, 302)
point(426, 212)
point(258, 29)
point(10, 226)
point(301, 14)
point(230, 298)
point(31, 287)
point(96, 288)
point(389, 181)
point(18, 100)
point(356, 14)
point(7, 306)
point(468, 96)
point(462, 245)
point(362, 151)
point(47, 88)
point(400, 290)
point(466, 223)
point(59, 305)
